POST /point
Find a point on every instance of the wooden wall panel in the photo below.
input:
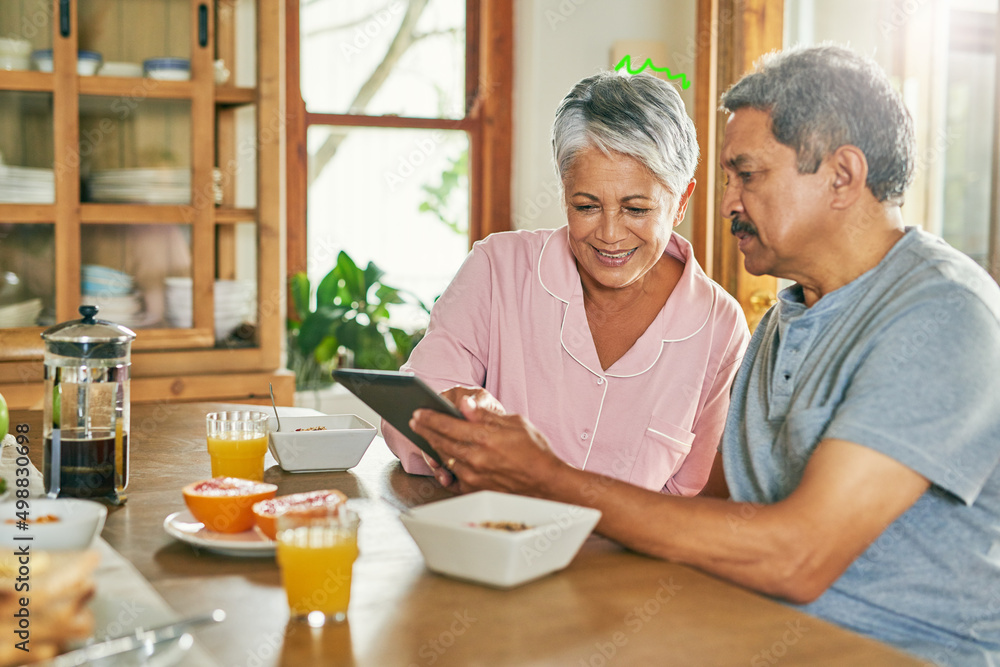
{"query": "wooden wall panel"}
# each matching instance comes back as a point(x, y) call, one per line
point(739, 32)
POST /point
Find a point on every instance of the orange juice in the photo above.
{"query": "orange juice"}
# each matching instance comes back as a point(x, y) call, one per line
point(316, 564)
point(238, 455)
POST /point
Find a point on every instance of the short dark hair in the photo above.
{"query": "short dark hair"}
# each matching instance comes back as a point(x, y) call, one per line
point(824, 97)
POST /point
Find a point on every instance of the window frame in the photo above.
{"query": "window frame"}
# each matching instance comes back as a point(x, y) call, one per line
point(488, 121)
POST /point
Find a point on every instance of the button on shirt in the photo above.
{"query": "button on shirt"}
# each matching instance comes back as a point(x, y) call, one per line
point(513, 322)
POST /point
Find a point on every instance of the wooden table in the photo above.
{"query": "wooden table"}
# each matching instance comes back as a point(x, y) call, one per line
point(610, 606)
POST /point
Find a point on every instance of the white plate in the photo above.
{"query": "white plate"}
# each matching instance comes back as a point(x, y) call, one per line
point(183, 526)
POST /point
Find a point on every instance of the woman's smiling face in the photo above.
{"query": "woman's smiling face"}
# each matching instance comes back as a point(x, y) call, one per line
point(620, 217)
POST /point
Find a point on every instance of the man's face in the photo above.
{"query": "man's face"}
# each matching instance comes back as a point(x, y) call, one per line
point(775, 211)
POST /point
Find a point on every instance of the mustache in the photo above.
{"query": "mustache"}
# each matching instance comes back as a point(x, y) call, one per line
point(738, 225)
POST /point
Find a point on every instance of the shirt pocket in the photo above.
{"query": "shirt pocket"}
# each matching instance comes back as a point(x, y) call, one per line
point(661, 453)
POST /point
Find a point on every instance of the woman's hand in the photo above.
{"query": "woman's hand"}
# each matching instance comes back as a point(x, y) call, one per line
point(489, 451)
point(482, 399)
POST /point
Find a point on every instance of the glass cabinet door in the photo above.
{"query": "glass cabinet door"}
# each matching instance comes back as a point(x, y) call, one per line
point(27, 279)
point(26, 152)
point(131, 38)
point(139, 275)
point(132, 182)
point(25, 27)
point(135, 152)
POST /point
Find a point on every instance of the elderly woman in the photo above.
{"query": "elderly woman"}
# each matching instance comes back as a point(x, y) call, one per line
point(604, 333)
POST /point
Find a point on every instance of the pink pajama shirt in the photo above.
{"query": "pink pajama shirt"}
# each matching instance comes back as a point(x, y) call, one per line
point(513, 322)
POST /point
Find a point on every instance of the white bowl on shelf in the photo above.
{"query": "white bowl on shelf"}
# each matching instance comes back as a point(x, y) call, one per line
point(42, 60)
point(15, 46)
point(88, 62)
point(453, 542)
point(168, 69)
point(13, 62)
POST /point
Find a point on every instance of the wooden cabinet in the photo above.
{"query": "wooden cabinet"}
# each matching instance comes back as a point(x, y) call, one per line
point(153, 194)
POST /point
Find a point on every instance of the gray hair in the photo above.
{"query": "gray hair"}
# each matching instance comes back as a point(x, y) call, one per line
point(639, 116)
point(821, 98)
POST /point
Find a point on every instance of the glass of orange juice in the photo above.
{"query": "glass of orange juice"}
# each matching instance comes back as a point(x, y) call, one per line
point(317, 548)
point(237, 442)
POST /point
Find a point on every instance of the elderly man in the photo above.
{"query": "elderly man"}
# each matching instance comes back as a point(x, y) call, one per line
point(862, 444)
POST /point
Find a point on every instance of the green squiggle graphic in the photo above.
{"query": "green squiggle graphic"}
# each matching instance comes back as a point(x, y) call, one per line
point(626, 62)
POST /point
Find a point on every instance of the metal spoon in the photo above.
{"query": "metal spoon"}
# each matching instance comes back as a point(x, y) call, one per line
point(276, 418)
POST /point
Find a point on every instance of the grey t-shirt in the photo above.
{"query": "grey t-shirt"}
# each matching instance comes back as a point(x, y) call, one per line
point(905, 360)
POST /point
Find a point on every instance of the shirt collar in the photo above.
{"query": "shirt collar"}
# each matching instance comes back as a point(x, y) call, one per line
point(792, 300)
point(686, 312)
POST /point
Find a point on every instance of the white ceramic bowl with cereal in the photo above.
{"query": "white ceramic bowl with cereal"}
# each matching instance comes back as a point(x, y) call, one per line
point(499, 539)
point(319, 442)
point(54, 524)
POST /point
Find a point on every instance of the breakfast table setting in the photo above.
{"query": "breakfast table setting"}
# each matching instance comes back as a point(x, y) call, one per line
point(604, 605)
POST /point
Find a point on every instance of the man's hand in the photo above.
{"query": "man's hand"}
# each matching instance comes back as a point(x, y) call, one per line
point(489, 451)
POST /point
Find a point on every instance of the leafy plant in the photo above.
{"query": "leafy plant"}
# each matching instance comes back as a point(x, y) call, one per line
point(438, 197)
point(350, 323)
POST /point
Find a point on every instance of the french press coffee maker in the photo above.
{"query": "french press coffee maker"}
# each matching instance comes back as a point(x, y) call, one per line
point(85, 426)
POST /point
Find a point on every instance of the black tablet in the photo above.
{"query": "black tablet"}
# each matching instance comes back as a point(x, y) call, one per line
point(395, 396)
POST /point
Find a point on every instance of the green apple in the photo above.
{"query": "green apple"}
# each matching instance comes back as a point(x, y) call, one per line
point(4, 417)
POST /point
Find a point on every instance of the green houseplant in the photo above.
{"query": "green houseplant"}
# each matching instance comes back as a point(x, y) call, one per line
point(349, 324)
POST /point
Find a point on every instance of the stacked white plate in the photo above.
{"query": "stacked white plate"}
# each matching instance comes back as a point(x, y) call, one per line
point(27, 185)
point(153, 185)
point(128, 310)
point(114, 293)
point(235, 301)
point(21, 314)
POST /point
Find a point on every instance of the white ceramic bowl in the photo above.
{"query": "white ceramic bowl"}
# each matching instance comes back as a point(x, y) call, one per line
point(42, 60)
point(12, 62)
point(339, 447)
point(80, 521)
point(87, 63)
point(15, 46)
point(168, 69)
point(449, 534)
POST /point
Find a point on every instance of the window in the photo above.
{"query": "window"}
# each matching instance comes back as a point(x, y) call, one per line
point(943, 58)
point(401, 139)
